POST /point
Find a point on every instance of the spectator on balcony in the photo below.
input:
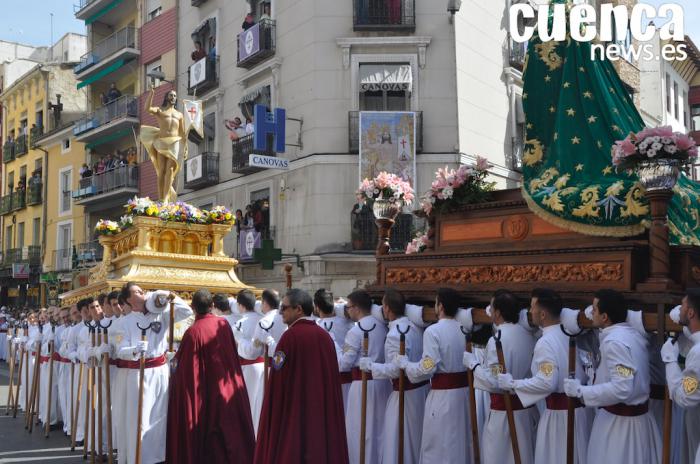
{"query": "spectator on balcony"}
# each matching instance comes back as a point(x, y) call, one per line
point(35, 179)
point(100, 166)
point(212, 48)
point(249, 126)
point(122, 160)
point(266, 12)
point(131, 157)
point(110, 162)
point(114, 93)
point(85, 171)
point(103, 99)
point(11, 136)
point(198, 52)
point(248, 22)
point(22, 184)
point(248, 220)
point(236, 127)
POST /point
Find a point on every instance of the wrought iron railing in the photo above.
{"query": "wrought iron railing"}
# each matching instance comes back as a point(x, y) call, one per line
point(210, 78)
point(384, 15)
point(105, 182)
point(34, 133)
point(19, 199)
point(243, 148)
point(256, 43)
point(34, 193)
point(29, 254)
point(89, 254)
point(363, 230)
point(21, 145)
point(63, 260)
point(6, 204)
point(125, 106)
point(123, 38)
point(8, 152)
point(207, 175)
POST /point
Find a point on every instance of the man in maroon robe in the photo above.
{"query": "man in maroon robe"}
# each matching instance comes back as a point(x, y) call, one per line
point(209, 416)
point(302, 420)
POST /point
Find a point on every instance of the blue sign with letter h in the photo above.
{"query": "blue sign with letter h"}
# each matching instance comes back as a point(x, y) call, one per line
point(267, 123)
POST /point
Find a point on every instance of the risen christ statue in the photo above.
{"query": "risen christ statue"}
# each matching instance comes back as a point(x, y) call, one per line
point(163, 143)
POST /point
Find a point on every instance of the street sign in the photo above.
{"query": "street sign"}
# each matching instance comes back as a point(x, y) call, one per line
point(20, 271)
point(268, 162)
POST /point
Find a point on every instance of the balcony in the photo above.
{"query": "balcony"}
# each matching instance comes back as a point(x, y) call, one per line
point(109, 12)
point(384, 15)
point(115, 117)
point(363, 230)
point(21, 146)
point(34, 194)
point(202, 76)
point(354, 131)
point(28, 254)
point(108, 189)
point(202, 171)
point(108, 57)
point(8, 152)
point(35, 133)
point(89, 254)
point(242, 149)
point(517, 54)
point(256, 44)
point(6, 204)
point(19, 200)
point(63, 260)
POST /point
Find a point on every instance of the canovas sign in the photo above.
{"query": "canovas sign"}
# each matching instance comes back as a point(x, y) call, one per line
point(268, 162)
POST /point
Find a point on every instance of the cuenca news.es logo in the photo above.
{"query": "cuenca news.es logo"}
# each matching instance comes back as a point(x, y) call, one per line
point(618, 33)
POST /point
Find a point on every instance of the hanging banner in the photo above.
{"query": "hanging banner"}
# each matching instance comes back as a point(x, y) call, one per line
point(388, 143)
point(193, 116)
point(249, 240)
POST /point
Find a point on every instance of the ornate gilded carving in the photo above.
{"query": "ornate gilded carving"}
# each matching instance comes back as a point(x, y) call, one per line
point(516, 227)
point(523, 273)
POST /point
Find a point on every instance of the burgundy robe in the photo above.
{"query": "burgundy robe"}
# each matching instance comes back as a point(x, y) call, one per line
point(302, 420)
point(209, 418)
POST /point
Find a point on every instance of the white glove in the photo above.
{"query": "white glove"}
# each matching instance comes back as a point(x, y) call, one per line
point(103, 349)
point(569, 319)
point(270, 341)
point(73, 356)
point(142, 347)
point(169, 355)
point(572, 388)
point(366, 364)
point(670, 351)
point(36, 345)
point(506, 382)
point(464, 317)
point(401, 361)
point(675, 314)
point(470, 360)
point(489, 313)
point(589, 312)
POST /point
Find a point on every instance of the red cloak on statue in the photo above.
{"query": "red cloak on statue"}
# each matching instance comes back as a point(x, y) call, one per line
point(302, 419)
point(209, 417)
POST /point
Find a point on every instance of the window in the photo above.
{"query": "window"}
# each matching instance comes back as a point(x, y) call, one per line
point(153, 9)
point(668, 92)
point(10, 182)
point(65, 181)
point(154, 67)
point(385, 87)
point(37, 164)
point(8, 237)
point(39, 119)
point(676, 100)
point(695, 116)
point(209, 142)
point(260, 207)
point(20, 235)
point(36, 232)
point(65, 145)
point(259, 96)
point(686, 113)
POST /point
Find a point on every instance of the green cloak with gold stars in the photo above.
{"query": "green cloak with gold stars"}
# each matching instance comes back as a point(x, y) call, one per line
point(576, 108)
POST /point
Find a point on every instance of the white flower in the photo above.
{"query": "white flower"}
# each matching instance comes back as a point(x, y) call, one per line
point(657, 146)
point(671, 149)
point(643, 145)
point(651, 153)
point(447, 192)
point(666, 140)
point(656, 139)
point(642, 150)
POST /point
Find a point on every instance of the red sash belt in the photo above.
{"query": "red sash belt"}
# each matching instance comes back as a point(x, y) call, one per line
point(114, 362)
point(248, 362)
point(407, 385)
point(150, 363)
point(449, 380)
point(357, 374)
point(3, 331)
point(43, 359)
point(59, 358)
point(627, 410)
point(560, 402)
point(345, 377)
point(498, 402)
point(657, 392)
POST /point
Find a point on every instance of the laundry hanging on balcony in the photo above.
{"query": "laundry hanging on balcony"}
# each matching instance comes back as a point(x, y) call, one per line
point(386, 77)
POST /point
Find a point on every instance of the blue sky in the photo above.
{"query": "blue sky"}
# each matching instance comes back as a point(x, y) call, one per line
point(28, 21)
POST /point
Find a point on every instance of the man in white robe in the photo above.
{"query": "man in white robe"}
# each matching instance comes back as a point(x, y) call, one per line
point(62, 365)
point(83, 345)
point(120, 394)
point(149, 309)
point(253, 367)
point(378, 390)
point(550, 366)
point(227, 308)
point(68, 350)
point(684, 385)
point(332, 318)
point(394, 309)
point(3, 336)
point(51, 336)
point(623, 430)
point(518, 345)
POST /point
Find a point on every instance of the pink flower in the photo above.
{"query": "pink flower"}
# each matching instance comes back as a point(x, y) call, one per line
point(482, 164)
point(684, 143)
point(626, 146)
point(664, 131)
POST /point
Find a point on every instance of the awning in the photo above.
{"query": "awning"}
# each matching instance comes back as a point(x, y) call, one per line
point(207, 23)
point(263, 92)
point(102, 12)
point(389, 77)
point(108, 138)
point(99, 75)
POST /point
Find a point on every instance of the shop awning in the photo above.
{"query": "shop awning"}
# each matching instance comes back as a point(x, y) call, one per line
point(99, 75)
point(388, 77)
point(253, 95)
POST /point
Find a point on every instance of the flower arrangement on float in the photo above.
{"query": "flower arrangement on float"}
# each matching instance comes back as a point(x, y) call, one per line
point(178, 212)
point(388, 194)
point(418, 245)
point(454, 187)
point(106, 227)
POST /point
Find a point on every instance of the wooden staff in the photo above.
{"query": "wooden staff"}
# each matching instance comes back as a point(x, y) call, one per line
point(51, 347)
point(472, 401)
point(363, 416)
point(267, 356)
point(571, 402)
point(142, 368)
point(94, 399)
point(88, 398)
point(108, 393)
point(72, 392)
point(666, 450)
point(36, 382)
point(74, 414)
point(402, 393)
point(10, 390)
point(171, 329)
point(507, 400)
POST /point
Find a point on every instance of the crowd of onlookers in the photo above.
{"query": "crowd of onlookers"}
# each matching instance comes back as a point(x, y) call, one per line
point(109, 162)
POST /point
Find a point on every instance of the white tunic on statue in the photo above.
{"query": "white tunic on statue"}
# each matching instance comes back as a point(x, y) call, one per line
point(622, 377)
point(155, 391)
point(337, 327)
point(684, 390)
point(550, 366)
point(518, 345)
point(414, 399)
point(377, 391)
point(253, 373)
point(446, 435)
